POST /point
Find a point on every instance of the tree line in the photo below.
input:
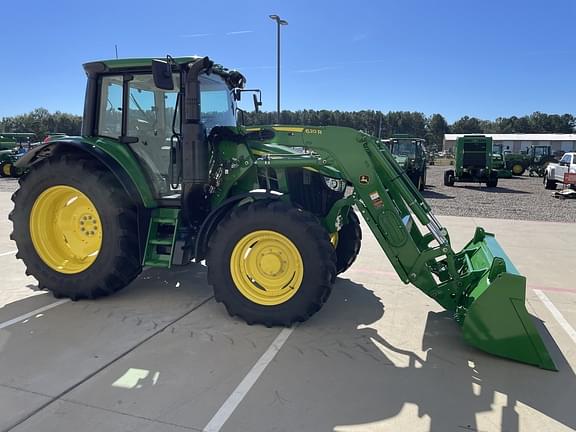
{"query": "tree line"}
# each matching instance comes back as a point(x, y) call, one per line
point(432, 128)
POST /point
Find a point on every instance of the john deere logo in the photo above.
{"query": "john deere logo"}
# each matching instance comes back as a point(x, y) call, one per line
point(364, 179)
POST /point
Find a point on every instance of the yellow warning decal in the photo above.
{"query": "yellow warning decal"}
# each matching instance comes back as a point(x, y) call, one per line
point(288, 129)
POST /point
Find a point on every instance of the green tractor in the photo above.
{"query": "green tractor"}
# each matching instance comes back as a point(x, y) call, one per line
point(410, 154)
point(534, 159)
point(540, 157)
point(473, 162)
point(7, 160)
point(499, 165)
point(162, 176)
point(13, 145)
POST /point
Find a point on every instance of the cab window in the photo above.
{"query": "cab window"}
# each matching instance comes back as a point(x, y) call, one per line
point(110, 123)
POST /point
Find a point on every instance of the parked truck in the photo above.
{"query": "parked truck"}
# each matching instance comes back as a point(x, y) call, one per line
point(554, 172)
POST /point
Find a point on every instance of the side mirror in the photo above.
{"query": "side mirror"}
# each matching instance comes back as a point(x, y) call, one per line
point(257, 103)
point(162, 73)
point(237, 92)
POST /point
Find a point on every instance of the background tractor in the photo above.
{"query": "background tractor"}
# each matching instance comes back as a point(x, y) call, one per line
point(499, 165)
point(162, 176)
point(12, 147)
point(410, 154)
point(534, 159)
point(472, 162)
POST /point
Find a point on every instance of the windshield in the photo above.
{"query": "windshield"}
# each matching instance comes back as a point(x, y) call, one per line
point(216, 102)
point(403, 148)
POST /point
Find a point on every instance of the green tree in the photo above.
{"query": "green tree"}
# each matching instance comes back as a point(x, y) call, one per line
point(467, 125)
point(437, 128)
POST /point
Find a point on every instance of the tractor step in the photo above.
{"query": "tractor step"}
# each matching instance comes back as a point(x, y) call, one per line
point(161, 237)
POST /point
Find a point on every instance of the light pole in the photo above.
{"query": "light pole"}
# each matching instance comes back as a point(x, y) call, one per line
point(279, 22)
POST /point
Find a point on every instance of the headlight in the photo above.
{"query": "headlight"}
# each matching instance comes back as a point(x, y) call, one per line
point(337, 185)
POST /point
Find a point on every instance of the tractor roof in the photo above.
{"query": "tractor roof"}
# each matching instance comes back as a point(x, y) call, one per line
point(145, 65)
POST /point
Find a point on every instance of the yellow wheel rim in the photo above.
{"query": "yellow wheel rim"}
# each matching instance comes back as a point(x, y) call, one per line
point(6, 169)
point(266, 267)
point(66, 229)
point(517, 169)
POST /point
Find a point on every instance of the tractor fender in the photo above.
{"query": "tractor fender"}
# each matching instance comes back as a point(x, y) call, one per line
point(219, 213)
point(53, 148)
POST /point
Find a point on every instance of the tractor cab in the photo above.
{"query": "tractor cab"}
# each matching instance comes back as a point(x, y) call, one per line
point(410, 154)
point(539, 152)
point(132, 109)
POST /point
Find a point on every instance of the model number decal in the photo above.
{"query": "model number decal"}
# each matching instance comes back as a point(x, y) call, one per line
point(313, 131)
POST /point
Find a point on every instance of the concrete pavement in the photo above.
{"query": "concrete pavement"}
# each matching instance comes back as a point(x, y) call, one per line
point(161, 355)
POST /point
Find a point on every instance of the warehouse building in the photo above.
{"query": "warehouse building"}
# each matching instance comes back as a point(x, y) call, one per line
point(516, 143)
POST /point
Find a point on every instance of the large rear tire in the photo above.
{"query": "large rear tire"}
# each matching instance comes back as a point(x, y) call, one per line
point(271, 263)
point(5, 169)
point(517, 168)
point(492, 181)
point(349, 241)
point(75, 229)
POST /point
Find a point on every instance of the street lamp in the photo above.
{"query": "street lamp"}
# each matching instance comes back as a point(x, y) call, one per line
point(279, 22)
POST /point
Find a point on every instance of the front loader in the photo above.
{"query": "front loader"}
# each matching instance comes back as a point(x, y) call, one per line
point(162, 177)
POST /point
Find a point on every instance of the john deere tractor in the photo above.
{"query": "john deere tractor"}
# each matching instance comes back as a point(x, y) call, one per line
point(410, 154)
point(162, 176)
point(535, 159)
point(12, 147)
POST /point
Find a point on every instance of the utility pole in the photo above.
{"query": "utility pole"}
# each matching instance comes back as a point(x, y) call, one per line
point(279, 22)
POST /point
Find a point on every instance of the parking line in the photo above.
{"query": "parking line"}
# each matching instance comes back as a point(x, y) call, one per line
point(230, 405)
point(8, 253)
point(557, 315)
point(31, 314)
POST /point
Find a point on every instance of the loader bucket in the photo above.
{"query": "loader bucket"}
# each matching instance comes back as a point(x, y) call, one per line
point(496, 319)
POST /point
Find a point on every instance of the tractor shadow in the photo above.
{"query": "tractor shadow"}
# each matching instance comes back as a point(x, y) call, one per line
point(443, 386)
point(497, 189)
point(432, 194)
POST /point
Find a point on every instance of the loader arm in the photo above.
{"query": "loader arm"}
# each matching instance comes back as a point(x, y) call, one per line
point(478, 284)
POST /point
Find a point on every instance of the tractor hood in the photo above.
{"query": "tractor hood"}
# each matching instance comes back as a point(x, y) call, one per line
point(403, 161)
point(281, 140)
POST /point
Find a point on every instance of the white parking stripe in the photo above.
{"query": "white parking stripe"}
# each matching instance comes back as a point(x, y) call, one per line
point(557, 315)
point(31, 314)
point(230, 405)
point(8, 253)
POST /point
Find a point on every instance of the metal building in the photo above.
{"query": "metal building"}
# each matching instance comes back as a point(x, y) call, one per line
point(520, 142)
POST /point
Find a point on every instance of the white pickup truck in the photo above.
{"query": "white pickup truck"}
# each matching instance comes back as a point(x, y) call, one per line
point(555, 171)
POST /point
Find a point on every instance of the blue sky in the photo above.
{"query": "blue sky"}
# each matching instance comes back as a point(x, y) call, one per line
point(455, 57)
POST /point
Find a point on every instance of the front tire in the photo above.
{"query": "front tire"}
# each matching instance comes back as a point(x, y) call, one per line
point(449, 178)
point(348, 243)
point(422, 182)
point(549, 184)
point(271, 263)
point(75, 230)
